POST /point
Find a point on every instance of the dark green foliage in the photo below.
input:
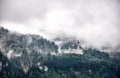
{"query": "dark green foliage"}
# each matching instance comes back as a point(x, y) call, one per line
point(84, 66)
point(71, 44)
point(96, 53)
point(64, 66)
point(10, 70)
point(3, 31)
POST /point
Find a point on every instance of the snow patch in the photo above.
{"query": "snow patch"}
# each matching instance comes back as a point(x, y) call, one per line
point(9, 54)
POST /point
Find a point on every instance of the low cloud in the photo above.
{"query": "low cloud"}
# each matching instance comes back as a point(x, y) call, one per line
point(95, 21)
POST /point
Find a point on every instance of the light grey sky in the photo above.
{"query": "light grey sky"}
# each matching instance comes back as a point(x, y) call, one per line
point(95, 21)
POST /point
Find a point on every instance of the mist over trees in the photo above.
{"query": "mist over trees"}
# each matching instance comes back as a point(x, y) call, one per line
point(29, 56)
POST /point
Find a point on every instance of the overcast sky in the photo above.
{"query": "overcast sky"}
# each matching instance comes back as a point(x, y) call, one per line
point(95, 21)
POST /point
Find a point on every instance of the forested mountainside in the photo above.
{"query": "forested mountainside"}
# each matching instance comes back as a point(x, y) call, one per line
point(63, 66)
point(24, 48)
point(19, 42)
point(29, 56)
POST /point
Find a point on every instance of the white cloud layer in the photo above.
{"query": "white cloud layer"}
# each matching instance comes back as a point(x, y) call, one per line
point(95, 21)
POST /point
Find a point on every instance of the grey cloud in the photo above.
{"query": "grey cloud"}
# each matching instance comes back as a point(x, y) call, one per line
point(95, 21)
point(22, 10)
